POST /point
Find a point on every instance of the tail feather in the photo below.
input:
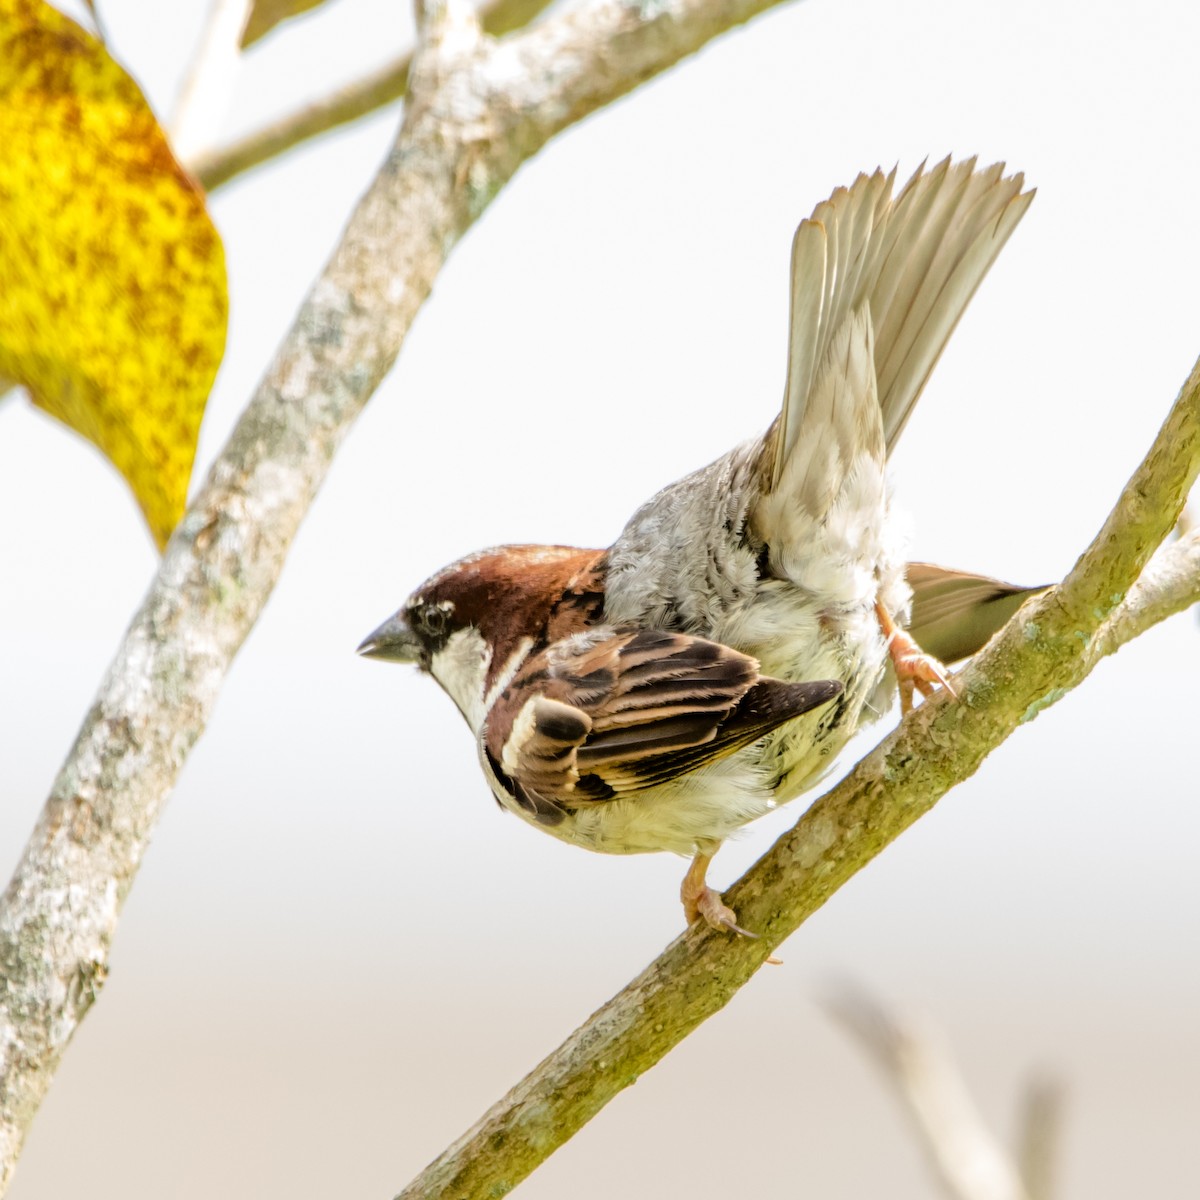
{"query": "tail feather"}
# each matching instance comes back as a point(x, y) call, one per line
point(966, 231)
point(911, 264)
point(827, 286)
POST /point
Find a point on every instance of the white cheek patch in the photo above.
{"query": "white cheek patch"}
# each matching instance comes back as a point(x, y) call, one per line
point(461, 667)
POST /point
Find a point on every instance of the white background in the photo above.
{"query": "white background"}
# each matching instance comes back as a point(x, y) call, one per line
point(339, 952)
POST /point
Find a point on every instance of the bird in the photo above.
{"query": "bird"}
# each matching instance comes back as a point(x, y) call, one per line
point(708, 666)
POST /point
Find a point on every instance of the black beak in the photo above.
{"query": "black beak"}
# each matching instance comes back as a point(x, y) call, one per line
point(393, 641)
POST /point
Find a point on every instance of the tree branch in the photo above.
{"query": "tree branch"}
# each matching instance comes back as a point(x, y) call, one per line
point(381, 87)
point(208, 85)
point(1043, 652)
point(469, 125)
point(968, 1160)
point(1169, 584)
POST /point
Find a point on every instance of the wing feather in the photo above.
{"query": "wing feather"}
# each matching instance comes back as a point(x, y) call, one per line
point(955, 613)
point(623, 710)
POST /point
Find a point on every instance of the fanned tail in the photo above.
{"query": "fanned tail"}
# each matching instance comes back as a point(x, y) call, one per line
point(878, 285)
point(912, 263)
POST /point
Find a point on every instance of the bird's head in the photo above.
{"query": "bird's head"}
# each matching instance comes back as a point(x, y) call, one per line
point(472, 623)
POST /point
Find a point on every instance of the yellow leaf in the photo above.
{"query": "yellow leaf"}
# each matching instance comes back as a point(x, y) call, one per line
point(113, 302)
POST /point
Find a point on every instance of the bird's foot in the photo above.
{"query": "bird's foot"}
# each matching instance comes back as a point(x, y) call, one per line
point(699, 900)
point(914, 668)
point(717, 913)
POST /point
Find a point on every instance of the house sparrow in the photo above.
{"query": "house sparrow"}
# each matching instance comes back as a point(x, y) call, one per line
point(711, 663)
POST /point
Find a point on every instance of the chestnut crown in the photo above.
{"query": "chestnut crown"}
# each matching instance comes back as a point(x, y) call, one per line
point(506, 593)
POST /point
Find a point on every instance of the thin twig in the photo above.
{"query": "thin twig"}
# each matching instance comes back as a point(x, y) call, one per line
point(209, 81)
point(1039, 1136)
point(266, 14)
point(97, 21)
point(373, 91)
point(967, 1158)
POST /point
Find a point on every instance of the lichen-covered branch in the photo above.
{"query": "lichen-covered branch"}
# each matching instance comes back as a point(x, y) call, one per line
point(1169, 584)
point(1047, 649)
point(476, 112)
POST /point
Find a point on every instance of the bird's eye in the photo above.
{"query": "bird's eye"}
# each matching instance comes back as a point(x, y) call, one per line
point(433, 621)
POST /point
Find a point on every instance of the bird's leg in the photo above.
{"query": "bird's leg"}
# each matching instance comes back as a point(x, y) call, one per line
point(914, 668)
point(699, 900)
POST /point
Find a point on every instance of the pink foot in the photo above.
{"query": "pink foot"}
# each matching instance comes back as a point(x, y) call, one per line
point(699, 900)
point(914, 668)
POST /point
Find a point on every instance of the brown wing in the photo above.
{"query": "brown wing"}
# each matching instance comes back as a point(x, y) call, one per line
point(610, 712)
point(955, 613)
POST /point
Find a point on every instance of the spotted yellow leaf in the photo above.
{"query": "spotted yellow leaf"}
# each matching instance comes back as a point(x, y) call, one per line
point(113, 302)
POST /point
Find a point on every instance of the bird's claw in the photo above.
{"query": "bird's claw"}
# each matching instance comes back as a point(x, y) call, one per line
point(699, 900)
point(917, 670)
point(734, 927)
point(709, 905)
point(914, 668)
